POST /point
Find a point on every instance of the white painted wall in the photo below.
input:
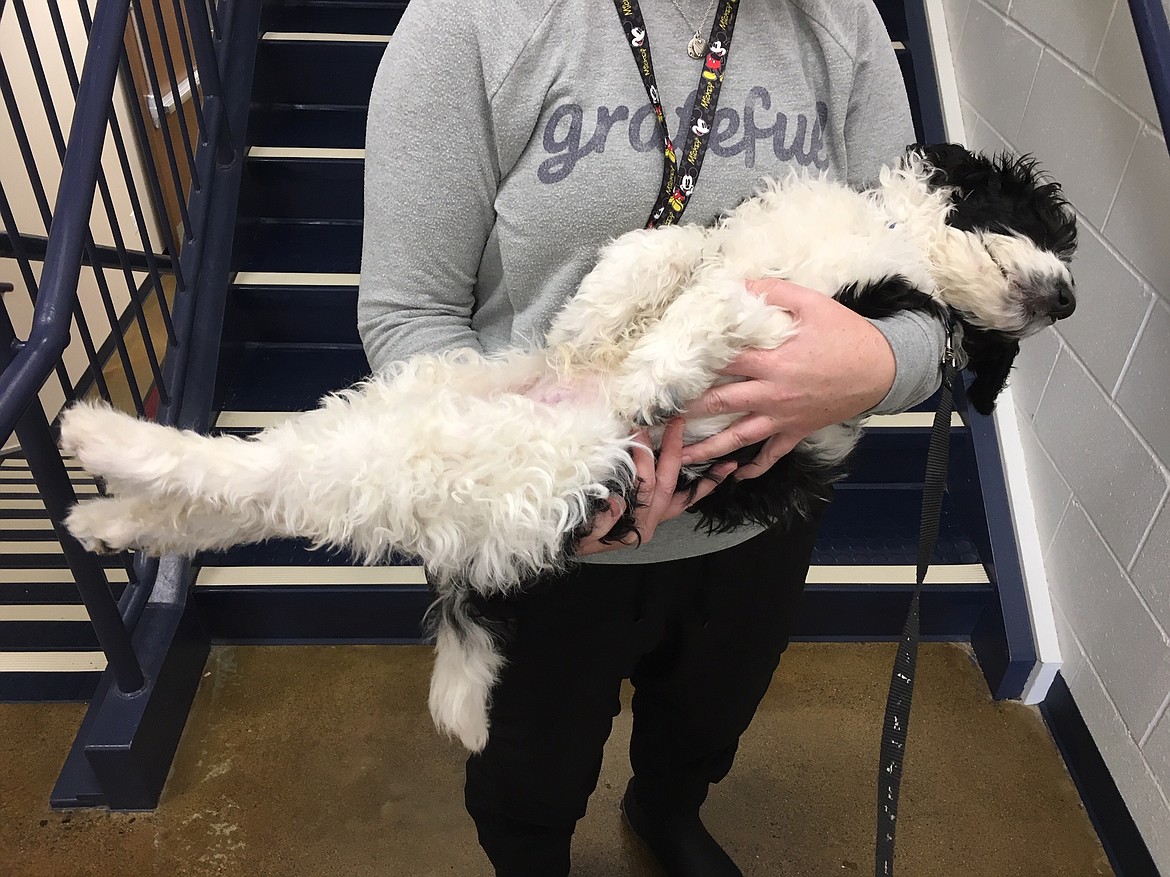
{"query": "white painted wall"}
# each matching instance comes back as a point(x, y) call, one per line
point(1064, 80)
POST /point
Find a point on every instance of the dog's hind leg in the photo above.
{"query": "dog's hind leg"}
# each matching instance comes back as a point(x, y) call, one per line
point(636, 278)
point(162, 525)
point(147, 458)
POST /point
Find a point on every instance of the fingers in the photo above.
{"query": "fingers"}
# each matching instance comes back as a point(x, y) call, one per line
point(602, 524)
point(773, 449)
point(737, 398)
point(779, 292)
point(670, 459)
point(642, 453)
point(711, 479)
point(751, 363)
point(660, 495)
point(715, 476)
point(656, 479)
point(658, 500)
point(745, 431)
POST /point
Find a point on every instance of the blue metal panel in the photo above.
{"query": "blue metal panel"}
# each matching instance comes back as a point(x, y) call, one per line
point(47, 687)
point(291, 189)
point(359, 614)
point(333, 16)
point(870, 613)
point(316, 72)
point(313, 126)
point(296, 314)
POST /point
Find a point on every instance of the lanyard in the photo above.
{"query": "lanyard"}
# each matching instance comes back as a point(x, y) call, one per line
point(680, 171)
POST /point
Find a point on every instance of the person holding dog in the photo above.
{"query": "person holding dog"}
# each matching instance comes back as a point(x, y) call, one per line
point(506, 143)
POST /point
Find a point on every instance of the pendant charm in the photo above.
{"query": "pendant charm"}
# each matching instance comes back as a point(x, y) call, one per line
point(697, 47)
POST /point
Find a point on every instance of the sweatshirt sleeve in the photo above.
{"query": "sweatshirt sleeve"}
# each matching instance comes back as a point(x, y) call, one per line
point(431, 174)
point(878, 128)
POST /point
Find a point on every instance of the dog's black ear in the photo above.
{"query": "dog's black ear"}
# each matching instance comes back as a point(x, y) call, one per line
point(990, 356)
point(953, 165)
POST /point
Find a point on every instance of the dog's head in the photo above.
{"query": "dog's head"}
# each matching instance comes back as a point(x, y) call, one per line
point(1002, 267)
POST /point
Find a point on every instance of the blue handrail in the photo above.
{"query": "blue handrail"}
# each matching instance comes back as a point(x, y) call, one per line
point(81, 175)
point(35, 359)
point(1153, 33)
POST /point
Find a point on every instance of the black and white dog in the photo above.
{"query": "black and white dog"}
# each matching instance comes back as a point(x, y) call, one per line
point(491, 469)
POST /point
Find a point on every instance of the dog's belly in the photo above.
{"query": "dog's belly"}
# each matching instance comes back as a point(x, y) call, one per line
point(558, 391)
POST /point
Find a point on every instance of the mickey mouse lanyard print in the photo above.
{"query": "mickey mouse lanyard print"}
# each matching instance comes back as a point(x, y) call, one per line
point(680, 171)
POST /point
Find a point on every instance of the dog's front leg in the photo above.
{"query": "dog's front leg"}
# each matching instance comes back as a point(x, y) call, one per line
point(636, 278)
point(680, 356)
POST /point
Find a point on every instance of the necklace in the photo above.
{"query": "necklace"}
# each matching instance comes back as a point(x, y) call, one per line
point(697, 47)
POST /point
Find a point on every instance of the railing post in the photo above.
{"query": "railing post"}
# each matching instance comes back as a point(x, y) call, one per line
point(1153, 34)
point(56, 490)
point(75, 195)
point(209, 79)
point(155, 643)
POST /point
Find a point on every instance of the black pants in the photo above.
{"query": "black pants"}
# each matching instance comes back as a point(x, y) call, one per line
point(699, 638)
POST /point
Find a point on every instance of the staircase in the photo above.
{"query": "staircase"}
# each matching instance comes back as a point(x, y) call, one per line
point(290, 325)
point(290, 337)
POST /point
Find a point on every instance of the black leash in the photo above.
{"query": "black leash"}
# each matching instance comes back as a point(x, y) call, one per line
point(897, 718)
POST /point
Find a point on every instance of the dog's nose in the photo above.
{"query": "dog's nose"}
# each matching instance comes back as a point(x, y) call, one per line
point(1064, 302)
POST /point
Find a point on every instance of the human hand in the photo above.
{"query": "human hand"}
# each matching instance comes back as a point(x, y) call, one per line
point(836, 367)
point(657, 499)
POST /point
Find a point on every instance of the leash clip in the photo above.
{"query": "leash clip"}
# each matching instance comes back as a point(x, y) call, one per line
point(950, 362)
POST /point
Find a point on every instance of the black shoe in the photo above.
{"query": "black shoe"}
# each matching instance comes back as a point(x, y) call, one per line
point(680, 843)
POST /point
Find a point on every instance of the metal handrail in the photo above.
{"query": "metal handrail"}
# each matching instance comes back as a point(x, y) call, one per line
point(35, 359)
point(1153, 34)
point(70, 244)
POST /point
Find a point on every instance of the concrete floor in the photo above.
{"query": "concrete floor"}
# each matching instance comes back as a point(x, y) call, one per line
point(322, 761)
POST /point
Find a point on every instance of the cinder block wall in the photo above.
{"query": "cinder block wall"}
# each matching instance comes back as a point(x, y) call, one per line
point(1065, 81)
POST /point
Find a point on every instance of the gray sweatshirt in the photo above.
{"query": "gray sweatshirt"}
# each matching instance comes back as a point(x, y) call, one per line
point(508, 140)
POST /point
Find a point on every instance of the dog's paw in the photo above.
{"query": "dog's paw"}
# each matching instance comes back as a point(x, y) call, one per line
point(104, 526)
point(659, 412)
point(100, 436)
point(645, 403)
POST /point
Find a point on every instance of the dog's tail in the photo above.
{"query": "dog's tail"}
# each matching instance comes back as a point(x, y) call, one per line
point(467, 664)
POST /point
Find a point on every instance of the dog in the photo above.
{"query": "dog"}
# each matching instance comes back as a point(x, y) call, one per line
point(491, 469)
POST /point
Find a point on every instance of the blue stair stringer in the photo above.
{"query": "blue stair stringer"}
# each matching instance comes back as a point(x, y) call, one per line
point(290, 337)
